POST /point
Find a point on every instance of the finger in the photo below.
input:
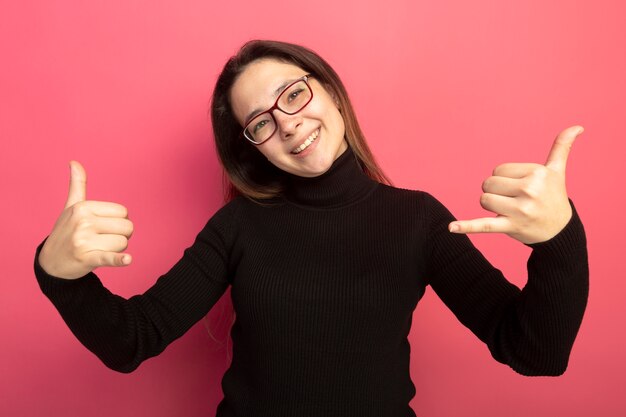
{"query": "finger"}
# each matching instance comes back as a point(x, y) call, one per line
point(482, 225)
point(505, 186)
point(105, 209)
point(514, 170)
point(557, 158)
point(78, 184)
point(101, 258)
point(113, 225)
point(498, 204)
point(108, 243)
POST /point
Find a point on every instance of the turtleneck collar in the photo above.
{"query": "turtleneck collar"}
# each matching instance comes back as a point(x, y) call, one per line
point(344, 183)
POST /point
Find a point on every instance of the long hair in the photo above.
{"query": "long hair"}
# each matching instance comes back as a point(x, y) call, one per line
point(248, 172)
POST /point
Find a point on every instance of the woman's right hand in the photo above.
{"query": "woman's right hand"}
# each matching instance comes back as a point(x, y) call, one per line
point(87, 234)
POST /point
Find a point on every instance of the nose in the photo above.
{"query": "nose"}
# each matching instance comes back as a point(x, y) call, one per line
point(287, 124)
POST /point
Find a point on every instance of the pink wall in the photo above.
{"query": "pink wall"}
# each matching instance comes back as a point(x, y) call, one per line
point(445, 91)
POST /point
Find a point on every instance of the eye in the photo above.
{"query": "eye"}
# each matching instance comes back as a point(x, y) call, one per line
point(294, 94)
point(259, 126)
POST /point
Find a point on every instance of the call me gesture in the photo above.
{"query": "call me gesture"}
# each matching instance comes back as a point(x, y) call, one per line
point(530, 200)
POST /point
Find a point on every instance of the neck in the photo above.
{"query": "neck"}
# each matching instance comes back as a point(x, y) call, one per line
point(344, 183)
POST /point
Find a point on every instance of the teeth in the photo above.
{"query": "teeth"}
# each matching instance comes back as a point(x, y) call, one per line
point(307, 142)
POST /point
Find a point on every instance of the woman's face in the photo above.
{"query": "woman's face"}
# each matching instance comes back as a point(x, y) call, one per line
point(257, 88)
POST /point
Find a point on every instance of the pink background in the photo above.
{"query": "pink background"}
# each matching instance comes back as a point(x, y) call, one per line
point(445, 91)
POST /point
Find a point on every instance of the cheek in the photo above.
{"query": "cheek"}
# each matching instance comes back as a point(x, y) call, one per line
point(328, 111)
point(268, 150)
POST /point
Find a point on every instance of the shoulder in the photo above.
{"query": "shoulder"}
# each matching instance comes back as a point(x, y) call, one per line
point(222, 220)
point(237, 210)
point(419, 197)
point(415, 203)
point(237, 206)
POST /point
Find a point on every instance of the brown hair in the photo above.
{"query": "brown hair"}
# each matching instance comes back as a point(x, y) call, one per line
point(248, 172)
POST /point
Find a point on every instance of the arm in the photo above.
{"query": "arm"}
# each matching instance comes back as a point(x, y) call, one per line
point(533, 329)
point(122, 333)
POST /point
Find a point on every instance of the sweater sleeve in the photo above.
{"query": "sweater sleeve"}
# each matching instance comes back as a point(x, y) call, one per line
point(125, 332)
point(532, 329)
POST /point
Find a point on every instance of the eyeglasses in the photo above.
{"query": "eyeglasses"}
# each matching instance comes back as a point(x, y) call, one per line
point(294, 98)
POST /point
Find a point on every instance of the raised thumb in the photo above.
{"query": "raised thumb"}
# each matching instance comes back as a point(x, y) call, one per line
point(557, 158)
point(78, 184)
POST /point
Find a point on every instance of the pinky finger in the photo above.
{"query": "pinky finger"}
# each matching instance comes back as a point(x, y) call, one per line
point(498, 224)
point(100, 258)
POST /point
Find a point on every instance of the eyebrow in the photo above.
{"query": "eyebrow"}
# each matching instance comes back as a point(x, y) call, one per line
point(255, 112)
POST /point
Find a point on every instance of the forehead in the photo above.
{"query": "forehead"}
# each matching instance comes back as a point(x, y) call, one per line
point(255, 88)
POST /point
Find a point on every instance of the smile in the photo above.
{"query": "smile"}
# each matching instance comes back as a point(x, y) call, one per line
point(306, 143)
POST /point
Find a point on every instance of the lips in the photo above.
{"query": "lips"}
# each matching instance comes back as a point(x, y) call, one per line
point(306, 143)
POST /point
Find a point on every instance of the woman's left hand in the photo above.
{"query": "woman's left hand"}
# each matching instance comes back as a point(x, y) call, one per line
point(530, 200)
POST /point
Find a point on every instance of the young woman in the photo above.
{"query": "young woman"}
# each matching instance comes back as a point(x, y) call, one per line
point(326, 260)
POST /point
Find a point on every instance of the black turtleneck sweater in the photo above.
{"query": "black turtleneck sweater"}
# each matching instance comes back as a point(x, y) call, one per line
point(324, 283)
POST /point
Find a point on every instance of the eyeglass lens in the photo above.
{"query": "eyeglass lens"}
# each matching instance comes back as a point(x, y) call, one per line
point(291, 101)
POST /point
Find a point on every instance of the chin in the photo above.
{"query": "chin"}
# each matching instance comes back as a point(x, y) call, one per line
point(321, 166)
point(312, 165)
